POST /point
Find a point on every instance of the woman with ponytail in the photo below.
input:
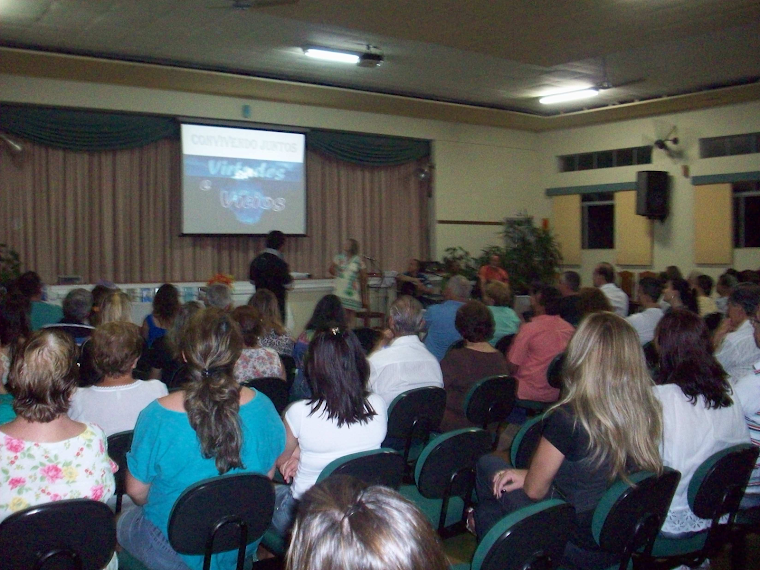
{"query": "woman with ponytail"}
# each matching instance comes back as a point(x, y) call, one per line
point(212, 427)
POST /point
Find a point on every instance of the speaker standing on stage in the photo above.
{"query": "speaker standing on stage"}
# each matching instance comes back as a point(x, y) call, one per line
point(269, 270)
point(350, 276)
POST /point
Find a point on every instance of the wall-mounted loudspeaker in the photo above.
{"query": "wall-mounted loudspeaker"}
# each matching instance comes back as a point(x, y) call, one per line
point(652, 194)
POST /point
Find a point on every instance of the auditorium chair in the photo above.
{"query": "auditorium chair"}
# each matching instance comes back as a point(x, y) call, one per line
point(119, 445)
point(490, 400)
point(274, 388)
point(525, 442)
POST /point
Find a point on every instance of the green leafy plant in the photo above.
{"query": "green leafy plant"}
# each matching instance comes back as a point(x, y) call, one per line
point(10, 264)
point(468, 266)
point(530, 253)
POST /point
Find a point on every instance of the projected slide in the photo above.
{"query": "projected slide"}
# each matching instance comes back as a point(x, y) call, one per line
point(242, 181)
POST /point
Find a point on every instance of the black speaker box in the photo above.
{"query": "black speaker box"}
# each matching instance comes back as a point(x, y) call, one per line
point(652, 194)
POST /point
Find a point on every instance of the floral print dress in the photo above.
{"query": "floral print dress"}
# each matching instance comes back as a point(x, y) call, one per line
point(346, 284)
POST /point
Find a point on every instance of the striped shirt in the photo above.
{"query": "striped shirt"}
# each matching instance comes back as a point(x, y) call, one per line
point(747, 390)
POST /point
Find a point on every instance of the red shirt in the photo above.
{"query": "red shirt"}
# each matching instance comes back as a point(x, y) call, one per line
point(488, 273)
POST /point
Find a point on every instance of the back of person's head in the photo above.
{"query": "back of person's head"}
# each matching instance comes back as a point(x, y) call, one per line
point(592, 300)
point(338, 371)
point(405, 316)
point(249, 321)
point(686, 294)
point(219, 295)
point(265, 302)
point(14, 320)
point(175, 333)
point(686, 359)
point(609, 388)
point(672, 272)
point(115, 348)
point(353, 247)
point(211, 345)
point(606, 272)
point(44, 376)
point(343, 524)
point(459, 287)
point(747, 297)
point(548, 297)
point(500, 293)
point(749, 276)
point(29, 284)
point(705, 283)
point(166, 303)
point(651, 287)
point(115, 306)
point(571, 279)
point(474, 322)
point(328, 310)
point(77, 305)
point(727, 281)
point(99, 292)
point(275, 239)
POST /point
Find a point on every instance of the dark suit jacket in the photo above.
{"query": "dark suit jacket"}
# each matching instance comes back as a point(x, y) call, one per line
point(270, 272)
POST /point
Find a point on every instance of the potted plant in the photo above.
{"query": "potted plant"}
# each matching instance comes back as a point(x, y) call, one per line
point(530, 253)
point(10, 266)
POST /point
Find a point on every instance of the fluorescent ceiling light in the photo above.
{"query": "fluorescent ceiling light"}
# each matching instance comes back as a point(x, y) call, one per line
point(569, 96)
point(331, 55)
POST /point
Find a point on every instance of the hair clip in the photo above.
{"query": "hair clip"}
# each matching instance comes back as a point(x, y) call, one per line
point(205, 373)
point(335, 331)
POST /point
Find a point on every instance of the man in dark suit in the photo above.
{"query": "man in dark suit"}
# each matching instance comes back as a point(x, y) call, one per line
point(269, 270)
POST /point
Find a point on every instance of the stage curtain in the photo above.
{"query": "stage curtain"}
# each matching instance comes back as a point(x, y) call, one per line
point(116, 215)
point(367, 150)
point(83, 130)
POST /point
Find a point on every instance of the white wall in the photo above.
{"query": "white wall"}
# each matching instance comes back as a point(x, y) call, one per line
point(673, 239)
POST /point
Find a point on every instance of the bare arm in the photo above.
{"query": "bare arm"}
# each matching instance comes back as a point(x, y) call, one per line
point(137, 490)
point(535, 481)
point(287, 462)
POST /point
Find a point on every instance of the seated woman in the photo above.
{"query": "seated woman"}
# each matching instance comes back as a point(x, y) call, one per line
point(53, 457)
point(592, 300)
point(117, 399)
point(463, 367)
point(274, 335)
point(255, 361)
point(679, 295)
point(587, 441)
point(164, 359)
point(166, 305)
point(699, 416)
point(15, 328)
point(505, 319)
point(382, 530)
point(328, 310)
point(340, 418)
point(211, 428)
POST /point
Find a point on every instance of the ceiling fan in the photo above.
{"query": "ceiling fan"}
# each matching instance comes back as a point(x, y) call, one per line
point(250, 4)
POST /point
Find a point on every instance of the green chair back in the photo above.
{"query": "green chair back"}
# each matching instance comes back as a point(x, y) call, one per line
point(376, 467)
point(525, 442)
point(490, 400)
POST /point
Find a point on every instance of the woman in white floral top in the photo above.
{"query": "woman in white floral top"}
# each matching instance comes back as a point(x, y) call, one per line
point(44, 455)
point(274, 334)
point(255, 361)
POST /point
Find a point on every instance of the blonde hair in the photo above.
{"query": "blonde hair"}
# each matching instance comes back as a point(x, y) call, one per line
point(499, 292)
point(115, 307)
point(610, 392)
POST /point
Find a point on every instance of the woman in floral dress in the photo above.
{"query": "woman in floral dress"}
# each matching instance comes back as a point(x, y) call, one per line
point(350, 276)
point(44, 455)
point(255, 360)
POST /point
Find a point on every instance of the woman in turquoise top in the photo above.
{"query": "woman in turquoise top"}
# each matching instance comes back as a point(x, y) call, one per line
point(350, 276)
point(498, 297)
point(212, 427)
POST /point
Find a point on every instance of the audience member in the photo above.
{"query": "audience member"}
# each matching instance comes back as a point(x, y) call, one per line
point(327, 311)
point(671, 273)
point(678, 295)
point(15, 328)
point(164, 359)
point(587, 441)
point(117, 399)
point(537, 343)
point(350, 275)
point(569, 285)
point(506, 321)
point(747, 391)
point(255, 360)
point(604, 279)
point(441, 332)
point(645, 322)
point(30, 286)
point(76, 310)
point(493, 271)
point(699, 417)
point(734, 341)
point(592, 300)
point(703, 290)
point(6, 406)
point(219, 295)
point(166, 305)
point(724, 288)
point(403, 363)
point(213, 427)
point(53, 457)
point(270, 271)
point(343, 523)
point(413, 282)
point(340, 418)
point(275, 335)
point(749, 276)
point(463, 367)
point(99, 292)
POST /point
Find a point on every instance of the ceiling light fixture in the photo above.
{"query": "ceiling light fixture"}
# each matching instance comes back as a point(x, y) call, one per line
point(569, 96)
point(332, 55)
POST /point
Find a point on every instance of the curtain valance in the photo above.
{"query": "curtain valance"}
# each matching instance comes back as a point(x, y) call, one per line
point(367, 150)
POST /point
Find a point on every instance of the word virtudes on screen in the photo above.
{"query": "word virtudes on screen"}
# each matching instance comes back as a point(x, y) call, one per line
point(242, 181)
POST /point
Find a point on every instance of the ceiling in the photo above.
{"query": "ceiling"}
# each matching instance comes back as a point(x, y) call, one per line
point(499, 54)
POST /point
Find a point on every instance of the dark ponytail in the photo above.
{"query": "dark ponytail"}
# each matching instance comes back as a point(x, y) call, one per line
point(211, 345)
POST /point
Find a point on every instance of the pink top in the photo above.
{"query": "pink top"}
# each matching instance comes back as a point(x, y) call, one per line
point(533, 349)
point(488, 273)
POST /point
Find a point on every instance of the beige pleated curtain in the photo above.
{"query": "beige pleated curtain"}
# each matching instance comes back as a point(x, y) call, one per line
point(116, 215)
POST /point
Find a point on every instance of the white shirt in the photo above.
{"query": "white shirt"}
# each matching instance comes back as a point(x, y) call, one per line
point(692, 433)
point(403, 365)
point(322, 441)
point(645, 323)
point(617, 298)
point(738, 352)
point(115, 408)
point(747, 391)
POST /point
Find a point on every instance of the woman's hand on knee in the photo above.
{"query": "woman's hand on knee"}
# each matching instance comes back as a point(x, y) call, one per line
point(508, 480)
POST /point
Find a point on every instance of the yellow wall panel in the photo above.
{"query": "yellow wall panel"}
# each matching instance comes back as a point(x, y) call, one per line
point(566, 222)
point(713, 225)
point(633, 234)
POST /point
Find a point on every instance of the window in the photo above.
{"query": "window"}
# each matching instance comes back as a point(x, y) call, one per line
point(598, 221)
point(732, 145)
point(746, 214)
point(605, 159)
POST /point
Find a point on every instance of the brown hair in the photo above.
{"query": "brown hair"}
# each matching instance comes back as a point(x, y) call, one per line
point(269, 309)
point(115, 348)
point(474, 322)
point(44, 376)
point(166, 304)
point(592, 300)
point(249, 321)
